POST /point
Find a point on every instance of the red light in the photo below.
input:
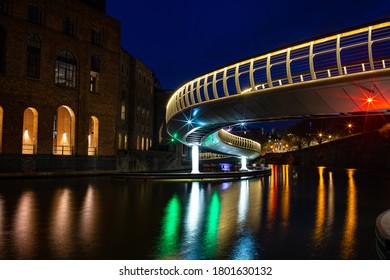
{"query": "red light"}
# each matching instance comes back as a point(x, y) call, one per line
point(370, 99)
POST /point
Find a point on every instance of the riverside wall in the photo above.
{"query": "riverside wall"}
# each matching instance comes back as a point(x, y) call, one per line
point(30, 165)
point(369, 151)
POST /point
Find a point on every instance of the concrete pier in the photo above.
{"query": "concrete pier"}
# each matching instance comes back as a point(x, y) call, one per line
point(382, 232)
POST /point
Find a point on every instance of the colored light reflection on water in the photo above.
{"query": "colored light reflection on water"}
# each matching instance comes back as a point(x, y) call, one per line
point(167, 246)
point(295, 213)
point(349, 238)
point(212, 224)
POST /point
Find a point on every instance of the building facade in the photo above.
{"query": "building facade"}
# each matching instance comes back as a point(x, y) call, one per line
point(59, 78)
point(136, 102)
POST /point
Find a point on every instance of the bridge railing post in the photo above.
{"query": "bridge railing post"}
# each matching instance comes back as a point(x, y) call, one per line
point(237, 78)
point(369, 45)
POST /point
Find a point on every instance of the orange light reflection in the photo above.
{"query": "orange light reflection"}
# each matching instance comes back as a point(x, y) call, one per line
point(272, 198)
point(318, 234)
point(349, 235)
point(61, 222)
point(24, 224)
point(285, 198)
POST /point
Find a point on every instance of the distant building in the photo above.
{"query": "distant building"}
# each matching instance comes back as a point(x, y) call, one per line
point(135, 122)
point(161, 138)
point(59, 77)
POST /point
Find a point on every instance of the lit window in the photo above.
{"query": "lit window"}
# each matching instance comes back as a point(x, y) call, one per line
point(94, 82)
point(33, 57)
point(66, 69)
point(123, 112)
point(120, 141)
point(34, 14)
point(94, 74)
point(125, 140)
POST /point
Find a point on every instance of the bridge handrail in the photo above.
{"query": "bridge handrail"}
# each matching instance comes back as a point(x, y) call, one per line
point(319, 59)
point(210, 156)
point(239, 142)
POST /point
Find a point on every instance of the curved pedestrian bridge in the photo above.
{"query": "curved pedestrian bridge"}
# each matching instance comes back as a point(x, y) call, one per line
point(338, 75)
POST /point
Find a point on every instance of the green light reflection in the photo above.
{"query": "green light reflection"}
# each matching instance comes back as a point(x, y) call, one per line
point(168, 241)
point(212, 225)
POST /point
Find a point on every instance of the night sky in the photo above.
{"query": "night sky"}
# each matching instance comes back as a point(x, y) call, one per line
point(182, 39)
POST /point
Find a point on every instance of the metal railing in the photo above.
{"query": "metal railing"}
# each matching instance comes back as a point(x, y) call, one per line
point(239, 142)
point(357, 51)
point(210, 156)
point(63, 150)
point(29, 149)
point(92, 151)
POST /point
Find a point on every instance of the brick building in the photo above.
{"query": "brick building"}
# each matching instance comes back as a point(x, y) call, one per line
point(59, 78)
point(136, 100)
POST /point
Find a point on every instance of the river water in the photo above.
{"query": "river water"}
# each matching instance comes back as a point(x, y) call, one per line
point(296, 213)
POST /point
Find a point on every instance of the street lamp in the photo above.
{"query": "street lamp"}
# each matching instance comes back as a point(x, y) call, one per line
point(349, 128)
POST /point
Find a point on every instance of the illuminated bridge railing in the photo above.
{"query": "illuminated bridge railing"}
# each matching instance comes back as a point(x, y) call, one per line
point(239, 142)
point(212, 156)
point(357, 51)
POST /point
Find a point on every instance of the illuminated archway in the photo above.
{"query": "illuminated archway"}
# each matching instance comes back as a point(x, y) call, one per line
point(1, 129)
point(64, 131)
point(30, 131)
point(93, 136)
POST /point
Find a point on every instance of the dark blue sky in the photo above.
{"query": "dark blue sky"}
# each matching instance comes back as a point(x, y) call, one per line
point(182, 39)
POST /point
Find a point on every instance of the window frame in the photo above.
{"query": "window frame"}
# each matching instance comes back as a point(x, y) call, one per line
point(66, 69)
point(68, 26)
point(34, 13)
point(96, 37)
point(33, 64)
point(94, 82)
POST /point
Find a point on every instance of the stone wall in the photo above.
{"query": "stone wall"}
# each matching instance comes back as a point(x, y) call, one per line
point(51, 163)
point(370, 150)
point(152, 161)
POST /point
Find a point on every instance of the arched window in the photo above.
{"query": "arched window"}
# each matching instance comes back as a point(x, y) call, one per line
point(30, 131)
point(64, 131)
point(33, 57)
point(93, 136)
point(66, 69)
point(3, 44)
point(1, 129)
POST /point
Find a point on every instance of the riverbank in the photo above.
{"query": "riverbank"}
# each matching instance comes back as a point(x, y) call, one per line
point(215, 176)
point(368, 151)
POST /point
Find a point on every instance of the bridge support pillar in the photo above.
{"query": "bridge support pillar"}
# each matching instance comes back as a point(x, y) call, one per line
point(195, 159)
point(243, 164)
